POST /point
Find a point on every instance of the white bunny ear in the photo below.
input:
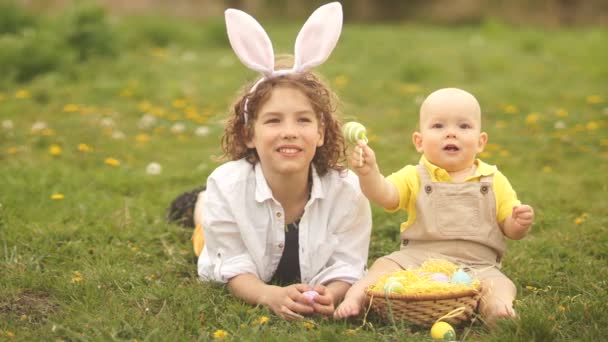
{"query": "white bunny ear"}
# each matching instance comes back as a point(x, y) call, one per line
point(318, 37)
point(249, 41)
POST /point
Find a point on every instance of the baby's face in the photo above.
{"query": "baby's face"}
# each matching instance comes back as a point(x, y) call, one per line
point(450, 129)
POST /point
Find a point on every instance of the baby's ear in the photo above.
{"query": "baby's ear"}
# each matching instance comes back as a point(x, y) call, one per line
point(483, 139)
point(417, 140)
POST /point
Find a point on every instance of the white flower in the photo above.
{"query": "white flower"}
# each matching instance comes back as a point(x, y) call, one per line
point(178, 128)
point(146, 121)
point(39, 126)
point(202, 131)
point(154, 169)
point(107, 122)
point(118, 135)
point(559, 125)
point(7, 124)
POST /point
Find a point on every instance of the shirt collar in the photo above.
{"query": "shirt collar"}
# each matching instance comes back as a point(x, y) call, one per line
point(263, 192)
point(438, 174)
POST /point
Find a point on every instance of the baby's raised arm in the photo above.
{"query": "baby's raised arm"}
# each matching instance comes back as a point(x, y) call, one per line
point(373, 184)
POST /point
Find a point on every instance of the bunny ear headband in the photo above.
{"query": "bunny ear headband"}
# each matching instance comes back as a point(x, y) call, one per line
point(314, 43)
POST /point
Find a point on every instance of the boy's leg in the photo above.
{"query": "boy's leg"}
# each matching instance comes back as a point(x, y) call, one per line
point(497, 296)
point(354, 300)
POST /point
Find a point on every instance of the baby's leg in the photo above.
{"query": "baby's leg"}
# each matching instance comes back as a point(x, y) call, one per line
point(497, 296)
point(354, 300)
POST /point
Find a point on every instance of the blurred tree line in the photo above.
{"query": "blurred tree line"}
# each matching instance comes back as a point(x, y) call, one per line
point(455, 12)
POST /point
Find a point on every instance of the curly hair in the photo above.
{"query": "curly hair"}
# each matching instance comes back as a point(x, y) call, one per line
point(238, 132)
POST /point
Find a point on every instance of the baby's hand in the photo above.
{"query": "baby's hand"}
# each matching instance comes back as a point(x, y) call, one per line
point(523, 216)
point(362, 159)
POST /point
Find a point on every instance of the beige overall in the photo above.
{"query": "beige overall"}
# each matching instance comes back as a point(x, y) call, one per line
point(457, 222)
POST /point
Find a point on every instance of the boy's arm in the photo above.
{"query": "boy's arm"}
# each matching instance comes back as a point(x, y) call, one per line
point(373, 184)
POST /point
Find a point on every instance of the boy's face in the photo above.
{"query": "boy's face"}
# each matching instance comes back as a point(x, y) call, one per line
point(450, 130)
point(286, 133)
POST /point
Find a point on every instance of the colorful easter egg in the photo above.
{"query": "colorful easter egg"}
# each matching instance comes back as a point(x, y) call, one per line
point(443, 331)
point(461, 277)
point(354, 131)
point(440, 277)
point(310, 296)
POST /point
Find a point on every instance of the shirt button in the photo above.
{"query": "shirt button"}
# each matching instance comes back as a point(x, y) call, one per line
point(279, 214)
point(281, 245)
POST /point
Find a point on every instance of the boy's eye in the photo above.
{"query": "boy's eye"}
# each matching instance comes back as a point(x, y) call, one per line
point(305, 119)
point(273, 120)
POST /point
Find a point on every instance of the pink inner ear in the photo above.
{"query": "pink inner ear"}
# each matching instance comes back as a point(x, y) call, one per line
point(318, 36)
point(250, 41)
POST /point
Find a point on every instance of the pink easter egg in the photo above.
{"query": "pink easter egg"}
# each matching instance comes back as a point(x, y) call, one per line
point(440, 277)
point(310, 296)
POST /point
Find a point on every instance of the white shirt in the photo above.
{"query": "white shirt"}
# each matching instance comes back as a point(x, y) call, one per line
point(245, 230)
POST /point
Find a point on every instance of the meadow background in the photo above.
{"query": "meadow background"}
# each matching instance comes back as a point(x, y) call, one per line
point(106, 118)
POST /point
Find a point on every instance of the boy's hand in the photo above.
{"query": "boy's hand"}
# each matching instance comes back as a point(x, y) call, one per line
point(523, 217)
point(324, 302)
point(362, 159)
point(288, 302)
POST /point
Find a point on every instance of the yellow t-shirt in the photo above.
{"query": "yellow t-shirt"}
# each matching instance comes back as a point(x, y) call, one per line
point(407, 183)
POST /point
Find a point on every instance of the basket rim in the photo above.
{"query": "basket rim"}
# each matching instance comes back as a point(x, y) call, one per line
point(426, 296)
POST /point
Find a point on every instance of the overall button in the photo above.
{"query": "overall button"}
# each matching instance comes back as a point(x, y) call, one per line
point(279, 214)
point(281, 245)
point(405, 242)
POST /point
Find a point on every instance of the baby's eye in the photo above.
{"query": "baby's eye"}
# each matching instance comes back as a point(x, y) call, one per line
point(465, 126)
point(437, 125)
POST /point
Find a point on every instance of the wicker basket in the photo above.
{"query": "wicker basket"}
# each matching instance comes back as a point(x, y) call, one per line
point(424, 309)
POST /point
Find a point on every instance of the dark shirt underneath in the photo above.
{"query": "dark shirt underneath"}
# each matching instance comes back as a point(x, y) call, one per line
point(288, 271)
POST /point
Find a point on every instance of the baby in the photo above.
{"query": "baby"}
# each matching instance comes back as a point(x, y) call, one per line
point(459, 208)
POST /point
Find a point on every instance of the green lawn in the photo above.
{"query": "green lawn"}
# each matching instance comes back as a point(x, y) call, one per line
point(85, 252)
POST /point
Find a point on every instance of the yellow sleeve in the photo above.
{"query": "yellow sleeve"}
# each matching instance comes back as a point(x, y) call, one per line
point(506, 198)
point(407, 183)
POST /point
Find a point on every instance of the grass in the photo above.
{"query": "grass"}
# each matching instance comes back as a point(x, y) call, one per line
point(99, 262)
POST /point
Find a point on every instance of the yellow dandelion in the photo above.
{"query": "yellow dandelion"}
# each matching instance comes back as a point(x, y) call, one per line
point(485, 154)
point(174, 117)
point(350, 332)
point(22, 94)
point(142, 138)
point(547, 169)
point(82, 147)
point(409, 88)
point(55, 150)
point(126, 93)
point(47, 132)
point(579, 220)
point(23, 317)
point(57, 196)
point(531, 288)
point(71, 108)
point(76, 277)
point(504, 153)
point(262, 320)
point(594, 99)
point(179, 103)
point(561, 112)
point(309, 325)
point(112, 162)
point(158, 112)
point(501, 124)
point(510, 109)
point(144, 106)
point(592, 126)
point(532, 119)
point(341, 81)
point(220, 334)
point(562, 308)
point(9, 333)
point(12, 150)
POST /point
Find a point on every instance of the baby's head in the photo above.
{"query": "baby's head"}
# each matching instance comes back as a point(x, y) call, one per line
point(450, 129)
